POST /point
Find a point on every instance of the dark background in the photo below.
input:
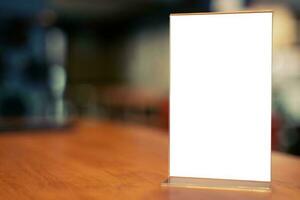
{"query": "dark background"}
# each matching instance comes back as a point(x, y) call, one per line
point(65, 59)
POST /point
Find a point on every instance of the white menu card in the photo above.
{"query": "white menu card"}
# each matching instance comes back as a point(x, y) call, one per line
point(220, 96)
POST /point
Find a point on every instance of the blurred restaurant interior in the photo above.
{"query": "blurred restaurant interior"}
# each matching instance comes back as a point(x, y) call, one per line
point(63, 60)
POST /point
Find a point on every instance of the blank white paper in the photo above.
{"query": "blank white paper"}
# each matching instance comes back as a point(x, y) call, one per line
point(220, 98)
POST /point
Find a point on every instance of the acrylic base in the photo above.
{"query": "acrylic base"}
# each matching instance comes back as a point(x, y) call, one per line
point(220, 184)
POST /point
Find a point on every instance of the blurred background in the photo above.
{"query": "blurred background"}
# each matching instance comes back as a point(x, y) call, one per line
point(62, 60)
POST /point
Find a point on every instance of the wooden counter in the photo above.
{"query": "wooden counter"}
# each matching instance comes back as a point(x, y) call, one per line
point(104, 160)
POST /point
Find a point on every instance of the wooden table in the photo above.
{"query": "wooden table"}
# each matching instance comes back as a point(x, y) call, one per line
point(104, 160)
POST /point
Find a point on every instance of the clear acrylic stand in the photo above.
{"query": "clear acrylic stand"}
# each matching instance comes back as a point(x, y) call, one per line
point(221, 184)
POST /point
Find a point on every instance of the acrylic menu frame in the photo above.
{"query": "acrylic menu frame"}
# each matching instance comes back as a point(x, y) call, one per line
point(219, 183)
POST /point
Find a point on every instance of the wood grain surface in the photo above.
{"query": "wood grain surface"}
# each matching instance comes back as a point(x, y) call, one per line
point(105, 160)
